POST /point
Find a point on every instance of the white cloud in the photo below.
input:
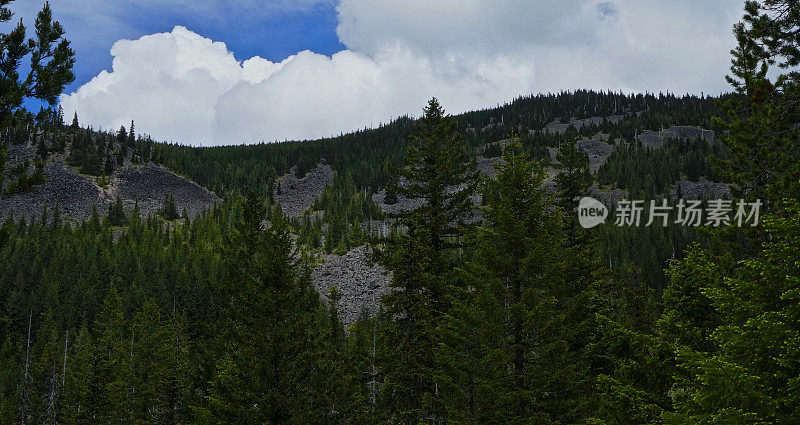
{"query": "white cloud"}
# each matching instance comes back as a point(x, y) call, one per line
point(316, 96)
point(181, 86)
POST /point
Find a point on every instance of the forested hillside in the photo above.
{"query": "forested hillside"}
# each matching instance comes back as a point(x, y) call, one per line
point(487, 301)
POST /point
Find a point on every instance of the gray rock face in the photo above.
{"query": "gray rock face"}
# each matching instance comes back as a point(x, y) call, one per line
point(702, 189)
point(686, 132)
point(559, 127)
point(361, 283)
point(77, 194)
point(656, 139)
point(18, 153)
point(151, 184)
point(596, 149)
point(609, 197)
point(298, 195)
point(74, 194)
point(402, 204)
point(651, 139)
point(486, 165)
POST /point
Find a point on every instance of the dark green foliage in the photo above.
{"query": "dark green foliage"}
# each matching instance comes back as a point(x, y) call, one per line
point(516, 352)
point(647, 172)
point(574, 179)
point(93, 162)
point(761, 116)
point(116, 214)
point(369, 155)
point(3, 153)
point(439, 173)
point(23, 180)
point(407, 340)
point(746, 371)
point(264, 368)
point(51, 60)
point(344, 209)
point(214, 319)
point(169, 209)
point(390, 198)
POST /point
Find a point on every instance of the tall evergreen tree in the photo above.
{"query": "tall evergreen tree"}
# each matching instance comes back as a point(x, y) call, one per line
point(116, 213)
point(269, 308)
point(112, 378)
point(749, 375)
point(519, 368)
point(169, 209)
point(761, 116)
point(80, 392)
point(439, 174)
point(51, 61)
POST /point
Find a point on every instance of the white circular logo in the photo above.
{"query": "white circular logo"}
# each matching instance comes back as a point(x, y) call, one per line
point(591, 212)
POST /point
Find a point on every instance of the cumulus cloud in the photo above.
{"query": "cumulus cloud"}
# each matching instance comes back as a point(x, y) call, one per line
point(184, 87)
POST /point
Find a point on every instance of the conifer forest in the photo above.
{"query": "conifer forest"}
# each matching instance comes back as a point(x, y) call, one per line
point(199, 284)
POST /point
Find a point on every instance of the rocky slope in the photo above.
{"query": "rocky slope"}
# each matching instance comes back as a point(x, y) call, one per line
point(149, 185)
point(298, 195)
point(360, 282)
point(560, 127)
point(656, 139)
point(77, 194)
point(701, 189)
point(74, 194)
point(597, 149)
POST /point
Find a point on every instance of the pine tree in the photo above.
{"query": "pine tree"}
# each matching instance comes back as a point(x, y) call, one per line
point(438, 173)
point(113, 364)
point(46, 372)
point(741, 363)
point(519, 358)
point(169, 209)
point(263, 373)
point(362, 379)
point(159, 387)
point(391, 197)
point(407, 339)
point(3, 154)
point(176, 385)
point(572, 182)
point(122, 138)
point(762, 136)
point(51, 63)
point(131, 141)
point(116, 213)
point(749, 374)
point(79, 380)
point(331, 395)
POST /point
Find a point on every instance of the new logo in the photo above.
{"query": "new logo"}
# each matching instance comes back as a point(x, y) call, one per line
point(591, 212)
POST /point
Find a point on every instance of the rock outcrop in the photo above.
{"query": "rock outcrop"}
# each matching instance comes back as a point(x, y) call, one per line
point(74, 194)
point(402, 204)
point(360, 282)
point(486, 166)
point(298, 195)
point(701, 189)
point(77, 194)
point(656, 139)
point(609, 197)
point(149, 186)
point(560, 127)
point(597, 149)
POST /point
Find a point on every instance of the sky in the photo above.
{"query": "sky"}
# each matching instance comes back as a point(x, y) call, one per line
point(206, 73)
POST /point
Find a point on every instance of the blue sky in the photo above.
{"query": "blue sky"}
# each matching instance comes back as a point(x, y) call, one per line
point(273, 32)
point(211, 72)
